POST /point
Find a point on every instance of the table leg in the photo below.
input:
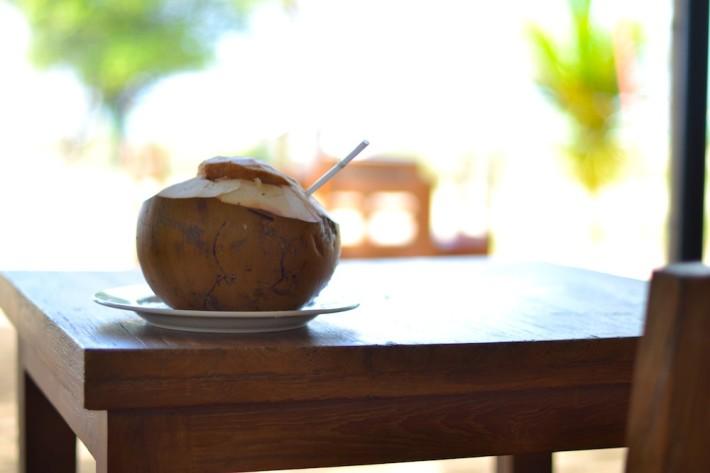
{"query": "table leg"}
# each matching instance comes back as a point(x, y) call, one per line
point(146, 442)
point(46, 441)
point(529, 463)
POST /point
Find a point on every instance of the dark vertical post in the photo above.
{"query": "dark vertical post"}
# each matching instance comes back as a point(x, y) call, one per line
point(688, 125)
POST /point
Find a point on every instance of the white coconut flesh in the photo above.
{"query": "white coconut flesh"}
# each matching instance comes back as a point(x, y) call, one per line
point(281, 200)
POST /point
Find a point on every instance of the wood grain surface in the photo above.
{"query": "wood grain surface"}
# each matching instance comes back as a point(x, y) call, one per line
point(445, 358)
point(467, 325)
point(271, 436)
point(669, 424)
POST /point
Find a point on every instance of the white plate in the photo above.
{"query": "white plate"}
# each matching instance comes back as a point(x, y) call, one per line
point(141, 300)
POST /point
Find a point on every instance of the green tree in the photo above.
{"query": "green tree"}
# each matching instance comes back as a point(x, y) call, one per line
point(581, 77)
point(119, 48)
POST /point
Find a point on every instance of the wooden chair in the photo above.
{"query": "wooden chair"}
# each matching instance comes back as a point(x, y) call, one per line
point(669, 421)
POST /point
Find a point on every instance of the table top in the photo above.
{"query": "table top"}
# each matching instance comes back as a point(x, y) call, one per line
point(438, 326)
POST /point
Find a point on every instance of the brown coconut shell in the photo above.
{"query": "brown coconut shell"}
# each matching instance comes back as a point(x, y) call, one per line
point(203, 254)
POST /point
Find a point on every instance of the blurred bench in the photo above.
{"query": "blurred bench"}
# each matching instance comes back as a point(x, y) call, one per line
point(383, 205)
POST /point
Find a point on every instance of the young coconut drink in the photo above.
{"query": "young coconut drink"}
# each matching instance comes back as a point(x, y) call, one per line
point(240, 236)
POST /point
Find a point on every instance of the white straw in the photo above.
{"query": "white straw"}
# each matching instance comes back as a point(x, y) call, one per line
point(336, 169)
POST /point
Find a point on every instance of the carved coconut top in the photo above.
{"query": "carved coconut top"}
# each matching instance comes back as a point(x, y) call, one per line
point(250, 183)
point(237, 167)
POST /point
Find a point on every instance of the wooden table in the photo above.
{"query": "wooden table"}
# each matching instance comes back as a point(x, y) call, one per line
point(445, 358)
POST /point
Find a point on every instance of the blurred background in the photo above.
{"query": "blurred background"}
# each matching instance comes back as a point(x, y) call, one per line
point(542, 128)
point(523, 130)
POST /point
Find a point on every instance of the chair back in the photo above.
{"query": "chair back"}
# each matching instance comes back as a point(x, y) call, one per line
point(669, 421)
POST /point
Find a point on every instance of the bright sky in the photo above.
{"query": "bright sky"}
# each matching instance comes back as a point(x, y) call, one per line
point(438, 79)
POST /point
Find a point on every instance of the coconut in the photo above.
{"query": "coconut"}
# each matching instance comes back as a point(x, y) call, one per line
point(240, 236)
